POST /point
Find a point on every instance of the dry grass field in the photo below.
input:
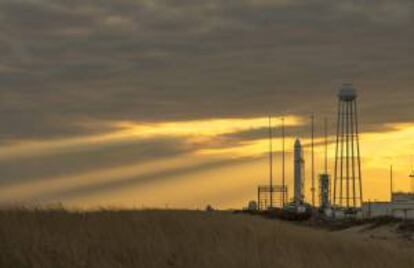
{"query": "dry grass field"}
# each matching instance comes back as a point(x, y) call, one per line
point(180, 239)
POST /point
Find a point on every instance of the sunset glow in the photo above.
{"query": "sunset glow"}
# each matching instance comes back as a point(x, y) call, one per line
point(155, 103)
point(235, 165)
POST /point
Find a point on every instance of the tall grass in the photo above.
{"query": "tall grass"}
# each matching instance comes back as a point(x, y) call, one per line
point(179, 239)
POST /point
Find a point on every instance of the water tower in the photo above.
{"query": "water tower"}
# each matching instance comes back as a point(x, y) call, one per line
point(347, 192)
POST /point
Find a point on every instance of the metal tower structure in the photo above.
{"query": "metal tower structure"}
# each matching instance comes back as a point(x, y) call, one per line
point(271, 195)
point(270, 161)
point(412, 176)
point(391, 183)
point(283, 162)
point(313, 189)
point(348, 178)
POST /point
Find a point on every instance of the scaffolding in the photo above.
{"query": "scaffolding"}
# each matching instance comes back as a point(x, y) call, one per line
point(271, 196)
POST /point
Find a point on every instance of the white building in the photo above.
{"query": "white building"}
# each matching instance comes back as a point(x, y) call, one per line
point(401, 206)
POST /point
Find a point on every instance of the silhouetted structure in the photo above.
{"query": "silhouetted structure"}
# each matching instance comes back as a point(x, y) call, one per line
point(324, 190)
point(299, 173)
point(277, 192)
point(412, 180)
point(270, 161)
point(348, 179)
point(313, 189)
point(271, 196)
point(284, 198)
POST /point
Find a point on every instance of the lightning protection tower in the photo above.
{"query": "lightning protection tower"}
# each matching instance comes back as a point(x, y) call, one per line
point(348, 179)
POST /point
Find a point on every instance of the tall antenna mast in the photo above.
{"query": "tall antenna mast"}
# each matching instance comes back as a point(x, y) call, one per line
point(313, 159)
point(391, 184)
point(283, 161)
point(412, 175)
point(326, 145)
point(270, 162)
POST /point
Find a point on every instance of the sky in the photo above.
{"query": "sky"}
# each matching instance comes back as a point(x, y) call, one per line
point(147, 103)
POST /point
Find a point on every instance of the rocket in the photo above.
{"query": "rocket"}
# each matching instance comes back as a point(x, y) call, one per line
point(299, 173)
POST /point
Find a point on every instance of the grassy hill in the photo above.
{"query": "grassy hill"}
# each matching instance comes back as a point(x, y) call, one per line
point(180, 239)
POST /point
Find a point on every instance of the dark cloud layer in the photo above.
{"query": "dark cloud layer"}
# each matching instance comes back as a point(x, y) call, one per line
point(67, 61)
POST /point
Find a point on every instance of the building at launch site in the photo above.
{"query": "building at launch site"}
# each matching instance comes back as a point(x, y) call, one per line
point(340, 195)
point(401, 204)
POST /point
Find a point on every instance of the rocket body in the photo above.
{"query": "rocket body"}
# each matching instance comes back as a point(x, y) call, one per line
point(299, 173)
